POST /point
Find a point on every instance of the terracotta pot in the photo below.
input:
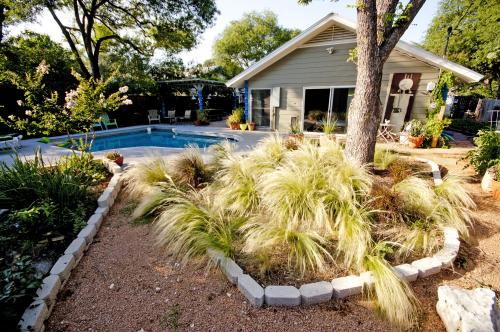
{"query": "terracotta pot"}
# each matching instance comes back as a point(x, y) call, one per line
point(415, 142)
point(119, 160)
point(495, 188)
point(251, 126)
point(235, 126)
point(243, 126)
point(435, 141)
point(298, 137)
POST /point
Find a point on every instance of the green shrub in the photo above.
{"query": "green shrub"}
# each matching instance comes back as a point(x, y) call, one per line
point(487, 151)
point(83, 166)
point(237, 116)
point(384, 158)
point(18, 283)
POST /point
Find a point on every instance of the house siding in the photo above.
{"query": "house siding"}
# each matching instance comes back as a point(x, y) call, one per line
point(313, 66)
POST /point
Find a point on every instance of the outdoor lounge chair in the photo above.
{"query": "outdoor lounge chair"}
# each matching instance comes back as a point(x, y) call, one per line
point(171, 116)
point(107, 121)
point(187, 116)
point(12, 141)
point(153, 116)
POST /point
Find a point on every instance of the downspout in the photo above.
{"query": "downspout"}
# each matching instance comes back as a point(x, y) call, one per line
point(246, 100)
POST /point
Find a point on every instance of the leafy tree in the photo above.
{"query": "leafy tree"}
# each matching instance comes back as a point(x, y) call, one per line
point(380, 25)
point(140, 25)
point(474, 38)
point(15, 11)
point(44, 115)
point(24, 53)
point(245, 41)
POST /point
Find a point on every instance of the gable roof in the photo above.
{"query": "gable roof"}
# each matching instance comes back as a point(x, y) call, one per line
point(460, 71)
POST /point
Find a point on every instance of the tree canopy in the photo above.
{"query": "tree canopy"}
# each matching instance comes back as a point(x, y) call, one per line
point(474, 40)
point(15, 11)
point(141, 26)
point(245, 41)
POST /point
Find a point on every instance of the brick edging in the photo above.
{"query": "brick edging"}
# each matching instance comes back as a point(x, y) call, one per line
point(39, 310)
point(324, 291)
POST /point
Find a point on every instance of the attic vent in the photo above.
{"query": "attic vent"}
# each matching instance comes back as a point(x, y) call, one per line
point(332, 34)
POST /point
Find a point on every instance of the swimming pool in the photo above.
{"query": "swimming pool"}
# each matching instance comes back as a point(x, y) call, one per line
point(156, 138)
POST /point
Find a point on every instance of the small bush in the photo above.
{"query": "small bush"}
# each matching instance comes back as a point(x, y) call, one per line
point(384, 158)
point(487, 151)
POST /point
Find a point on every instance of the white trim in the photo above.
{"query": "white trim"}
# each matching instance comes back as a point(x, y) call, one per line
point(464, 73)
point(330, 101)
point(250, 104)
point(328, 43)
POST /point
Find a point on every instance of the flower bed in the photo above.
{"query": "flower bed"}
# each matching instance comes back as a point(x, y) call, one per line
point(39, 310)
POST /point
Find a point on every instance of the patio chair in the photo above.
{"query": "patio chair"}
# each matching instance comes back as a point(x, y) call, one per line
point(98, 125)
point(187, 116)
point(107, 121)
point(153, 116)
point(171, 116)
point(12, 141)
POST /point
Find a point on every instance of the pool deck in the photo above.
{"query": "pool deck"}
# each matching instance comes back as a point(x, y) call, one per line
point(244, 140)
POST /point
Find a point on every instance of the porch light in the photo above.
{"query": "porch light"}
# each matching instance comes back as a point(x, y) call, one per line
point(431, 86)
point(330, 50)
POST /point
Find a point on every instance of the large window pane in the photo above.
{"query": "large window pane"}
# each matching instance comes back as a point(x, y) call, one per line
point(261, 107)
point(315, 108)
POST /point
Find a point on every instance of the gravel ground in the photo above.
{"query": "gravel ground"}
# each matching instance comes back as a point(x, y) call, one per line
point(125, 283)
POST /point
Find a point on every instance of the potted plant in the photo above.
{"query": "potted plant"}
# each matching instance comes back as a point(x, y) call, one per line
point(296, 131)
point(251, 126)
point(116, 157)
point(416, 134)
point(328, 126)
point(434, 128)
point(236, 118)
point(243, 126)
point(201, 119)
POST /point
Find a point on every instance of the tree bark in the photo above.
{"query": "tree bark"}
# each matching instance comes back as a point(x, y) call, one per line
point(365, 112)
point(378, 31)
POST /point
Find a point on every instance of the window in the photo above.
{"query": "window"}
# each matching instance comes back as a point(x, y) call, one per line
point(261, 107)
point(319, 102)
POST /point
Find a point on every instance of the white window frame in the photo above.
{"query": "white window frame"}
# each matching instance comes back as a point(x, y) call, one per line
point(330, 101)
point(250, 105)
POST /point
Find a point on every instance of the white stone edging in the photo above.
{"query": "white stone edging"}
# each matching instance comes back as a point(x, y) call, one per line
point(338, 288)
point(40, 309)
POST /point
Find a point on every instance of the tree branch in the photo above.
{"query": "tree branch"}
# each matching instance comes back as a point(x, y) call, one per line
point(70, 41)
point(399, 28)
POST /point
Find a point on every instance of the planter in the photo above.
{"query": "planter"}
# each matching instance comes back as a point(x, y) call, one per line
point(235, 126)
point(200, 123)
point(251, 126)
point(119, 160)
point(415, 142)
point(487, 181)
point(435, 141)
point(495, 188)
point(243, 126)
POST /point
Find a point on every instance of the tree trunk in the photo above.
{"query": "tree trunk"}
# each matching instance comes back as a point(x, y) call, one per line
point(365, 112)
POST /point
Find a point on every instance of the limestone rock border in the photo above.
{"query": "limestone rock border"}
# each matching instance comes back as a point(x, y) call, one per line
point(40, 309)
point(324, 291)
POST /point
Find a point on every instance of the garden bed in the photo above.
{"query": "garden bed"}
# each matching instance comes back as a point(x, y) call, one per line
point(293, 213)
point(47, 206)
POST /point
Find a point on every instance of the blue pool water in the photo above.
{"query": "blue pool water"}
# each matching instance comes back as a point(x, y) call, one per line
point(158, 138)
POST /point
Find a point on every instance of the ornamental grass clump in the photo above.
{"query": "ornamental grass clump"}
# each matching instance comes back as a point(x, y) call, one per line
point(308, 209)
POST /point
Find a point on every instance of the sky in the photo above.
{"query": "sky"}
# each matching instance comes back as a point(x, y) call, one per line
point(290, 14)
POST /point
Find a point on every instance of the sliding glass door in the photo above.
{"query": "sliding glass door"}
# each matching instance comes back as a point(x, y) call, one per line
point(261, 107)
point(321, 102)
